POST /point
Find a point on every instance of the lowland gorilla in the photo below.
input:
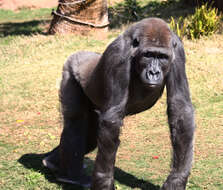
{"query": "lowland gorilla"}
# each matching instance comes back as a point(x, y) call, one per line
point(98, 91)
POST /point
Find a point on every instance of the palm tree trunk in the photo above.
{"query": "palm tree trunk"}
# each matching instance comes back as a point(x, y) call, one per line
point(79, 16)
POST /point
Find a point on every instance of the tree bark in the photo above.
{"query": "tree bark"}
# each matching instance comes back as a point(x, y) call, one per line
point(79, 16)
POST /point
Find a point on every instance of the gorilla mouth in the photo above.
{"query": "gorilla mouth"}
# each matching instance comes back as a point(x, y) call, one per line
point(153, 80)
point(148, 84)
point(153, 84)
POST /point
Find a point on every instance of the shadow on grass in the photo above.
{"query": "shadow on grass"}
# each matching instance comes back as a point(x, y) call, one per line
point(34, 161)
point(129, 11)
point(23, 28)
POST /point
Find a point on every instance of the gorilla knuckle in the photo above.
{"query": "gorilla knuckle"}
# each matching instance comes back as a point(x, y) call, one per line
point(111, 118)
point(175, 182)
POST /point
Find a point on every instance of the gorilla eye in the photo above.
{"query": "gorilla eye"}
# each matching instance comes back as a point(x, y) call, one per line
point(162, 56)
point(149, 54)
point(135, 43)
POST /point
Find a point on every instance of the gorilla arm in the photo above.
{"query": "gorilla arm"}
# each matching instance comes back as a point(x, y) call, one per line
point(181, 120)
point(108, 89)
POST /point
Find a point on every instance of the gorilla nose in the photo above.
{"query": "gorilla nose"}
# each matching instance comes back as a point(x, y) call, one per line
point(153, 75)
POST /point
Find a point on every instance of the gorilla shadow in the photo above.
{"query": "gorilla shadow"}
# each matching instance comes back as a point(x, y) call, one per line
point(34, 161)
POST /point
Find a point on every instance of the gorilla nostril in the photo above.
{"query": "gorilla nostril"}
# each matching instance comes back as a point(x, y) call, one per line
point(151, 72)
point(157, 73)
point(154, 72)
point(153, 75)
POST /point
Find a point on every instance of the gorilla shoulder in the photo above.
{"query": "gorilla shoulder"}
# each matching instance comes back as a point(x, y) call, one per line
point(81, 65)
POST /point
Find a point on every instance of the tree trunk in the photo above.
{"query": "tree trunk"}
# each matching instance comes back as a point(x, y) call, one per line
point(79, 16)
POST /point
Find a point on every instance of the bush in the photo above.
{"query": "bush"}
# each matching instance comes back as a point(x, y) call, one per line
point(179, 27)
point(204, 22)
point(132, 8)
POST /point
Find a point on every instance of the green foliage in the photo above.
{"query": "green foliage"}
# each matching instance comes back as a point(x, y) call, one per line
point(124, 12)
point(179, 27)
point(204, 22)
point(132, 9)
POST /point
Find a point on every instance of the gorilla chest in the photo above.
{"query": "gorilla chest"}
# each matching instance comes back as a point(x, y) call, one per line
point(142, 98)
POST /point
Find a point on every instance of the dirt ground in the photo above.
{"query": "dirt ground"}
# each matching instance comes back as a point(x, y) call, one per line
point(18, 4)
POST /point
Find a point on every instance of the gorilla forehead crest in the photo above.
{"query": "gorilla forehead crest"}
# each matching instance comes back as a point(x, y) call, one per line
point(156, 32)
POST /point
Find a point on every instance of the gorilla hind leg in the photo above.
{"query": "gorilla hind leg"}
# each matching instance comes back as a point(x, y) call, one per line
point(52, 158)
point(72, 146)
point(67, 158)
point(92, 131)
point(71, 152)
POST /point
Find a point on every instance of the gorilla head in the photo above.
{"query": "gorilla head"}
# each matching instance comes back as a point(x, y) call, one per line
point(153, 51)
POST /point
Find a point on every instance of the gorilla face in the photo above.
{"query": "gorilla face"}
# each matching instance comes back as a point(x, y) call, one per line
point(152, 68)
point(153, 52)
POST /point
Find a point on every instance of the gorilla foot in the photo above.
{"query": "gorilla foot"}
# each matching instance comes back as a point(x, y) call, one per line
point(174, 184)
point(170, 186)
point(53, 166)
point(84, 181)
point(50, 164)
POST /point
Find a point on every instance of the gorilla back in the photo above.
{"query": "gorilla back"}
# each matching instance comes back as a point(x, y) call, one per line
point(98, 91)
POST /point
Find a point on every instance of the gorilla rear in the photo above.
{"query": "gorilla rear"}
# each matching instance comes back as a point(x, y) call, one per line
point(98, 91)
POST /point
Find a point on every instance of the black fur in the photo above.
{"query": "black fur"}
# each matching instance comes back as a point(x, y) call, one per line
point(98, 91)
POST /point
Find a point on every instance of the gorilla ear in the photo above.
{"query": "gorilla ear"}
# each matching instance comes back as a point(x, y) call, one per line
point(174, 48)
point(174, 43)
point(135, 42)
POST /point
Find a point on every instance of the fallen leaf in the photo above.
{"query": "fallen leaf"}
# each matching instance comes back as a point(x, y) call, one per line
point(20, 121)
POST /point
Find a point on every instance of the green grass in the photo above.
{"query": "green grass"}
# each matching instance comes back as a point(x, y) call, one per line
point(30, 124)
point(24, 14)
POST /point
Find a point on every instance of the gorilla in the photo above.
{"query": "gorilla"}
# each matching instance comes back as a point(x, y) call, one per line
point(98, 91)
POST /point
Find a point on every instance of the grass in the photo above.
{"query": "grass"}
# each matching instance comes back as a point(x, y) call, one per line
point(24, 14)
point(24, 21)
point(30, 68)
